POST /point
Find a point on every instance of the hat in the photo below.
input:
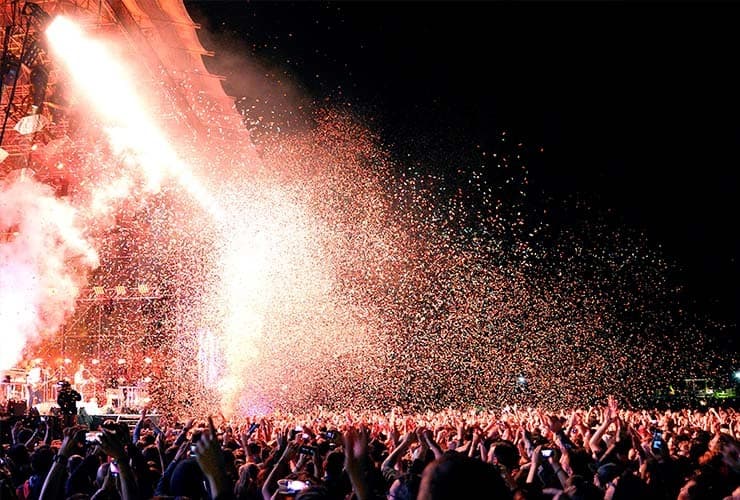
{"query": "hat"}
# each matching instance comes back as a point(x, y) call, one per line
point(607, 472)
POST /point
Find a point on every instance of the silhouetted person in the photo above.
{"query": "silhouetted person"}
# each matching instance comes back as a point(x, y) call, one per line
point(67, 401)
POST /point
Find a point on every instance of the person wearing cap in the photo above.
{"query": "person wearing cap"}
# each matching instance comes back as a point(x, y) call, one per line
point(605, 474)
point(67, 401)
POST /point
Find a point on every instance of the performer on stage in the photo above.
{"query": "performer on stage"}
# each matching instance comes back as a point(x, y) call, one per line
point(81, 379)
point(67, 401)
point(34, 384)
point(7, 390)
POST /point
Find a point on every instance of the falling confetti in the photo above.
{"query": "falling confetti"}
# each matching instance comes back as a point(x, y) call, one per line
point(328, 272)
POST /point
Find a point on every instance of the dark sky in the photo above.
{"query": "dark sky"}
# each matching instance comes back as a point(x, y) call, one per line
point(635, 105)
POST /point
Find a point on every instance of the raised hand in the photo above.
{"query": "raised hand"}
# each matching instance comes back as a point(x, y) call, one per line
point(394, 433)
point(71, 441)
point(210, 458)
point(182, 451)
point(555, 424)
point(612, 408)
point(282, 438)
point(114, 445)
point(425, 436)
point(208, 451)
point(355, 446)
point(355, 458)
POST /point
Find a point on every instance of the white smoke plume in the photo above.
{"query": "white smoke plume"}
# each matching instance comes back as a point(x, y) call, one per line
point(44, 261)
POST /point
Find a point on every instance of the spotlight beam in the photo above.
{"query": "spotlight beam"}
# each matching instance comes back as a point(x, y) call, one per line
point(107, 84)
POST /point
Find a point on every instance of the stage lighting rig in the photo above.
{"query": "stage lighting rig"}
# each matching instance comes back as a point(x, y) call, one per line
point(36, 15)
point(32, 51)
point(24, 77)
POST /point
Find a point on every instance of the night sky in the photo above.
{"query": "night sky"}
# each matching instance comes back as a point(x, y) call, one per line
point(635, 107)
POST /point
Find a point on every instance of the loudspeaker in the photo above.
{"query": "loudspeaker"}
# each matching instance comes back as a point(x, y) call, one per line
point(17, 408)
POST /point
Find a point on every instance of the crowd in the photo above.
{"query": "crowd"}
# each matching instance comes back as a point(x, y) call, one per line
point(605, 452)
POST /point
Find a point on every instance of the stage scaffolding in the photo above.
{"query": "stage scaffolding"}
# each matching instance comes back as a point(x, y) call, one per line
point(160, 36)
point(114, 314)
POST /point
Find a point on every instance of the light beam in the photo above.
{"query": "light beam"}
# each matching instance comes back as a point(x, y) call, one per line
point(107, 84)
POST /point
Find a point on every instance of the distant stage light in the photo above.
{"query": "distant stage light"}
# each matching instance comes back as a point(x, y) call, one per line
point(121, 361)
point(31, 124)
point(737, 375)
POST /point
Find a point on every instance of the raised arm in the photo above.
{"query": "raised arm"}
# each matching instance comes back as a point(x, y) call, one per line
point(211, 460)
point(54, 483)
point(398, 452)
point(115, 444)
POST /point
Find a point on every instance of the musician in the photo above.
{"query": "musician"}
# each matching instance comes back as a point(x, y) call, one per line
point(7, 389)
point(34, 380)
point(82, 378)
point(67, 401)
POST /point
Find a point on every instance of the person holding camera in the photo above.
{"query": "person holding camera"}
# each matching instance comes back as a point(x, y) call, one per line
point(67, 401)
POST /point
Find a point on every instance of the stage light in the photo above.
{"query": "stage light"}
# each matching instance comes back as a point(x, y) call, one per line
point(3, 155)
point(120, 290)
point(67, 361)
point(31, 54)
point(143, 289)
point(99, 291)
point(121, 361)
point(95, 361)
point(30, 125)
point(148, 360)
point(737, 375)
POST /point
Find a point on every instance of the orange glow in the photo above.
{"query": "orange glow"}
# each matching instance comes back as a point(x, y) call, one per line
point(107, 84)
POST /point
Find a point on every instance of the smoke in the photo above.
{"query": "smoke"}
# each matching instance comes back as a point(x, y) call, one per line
point(44, 261)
